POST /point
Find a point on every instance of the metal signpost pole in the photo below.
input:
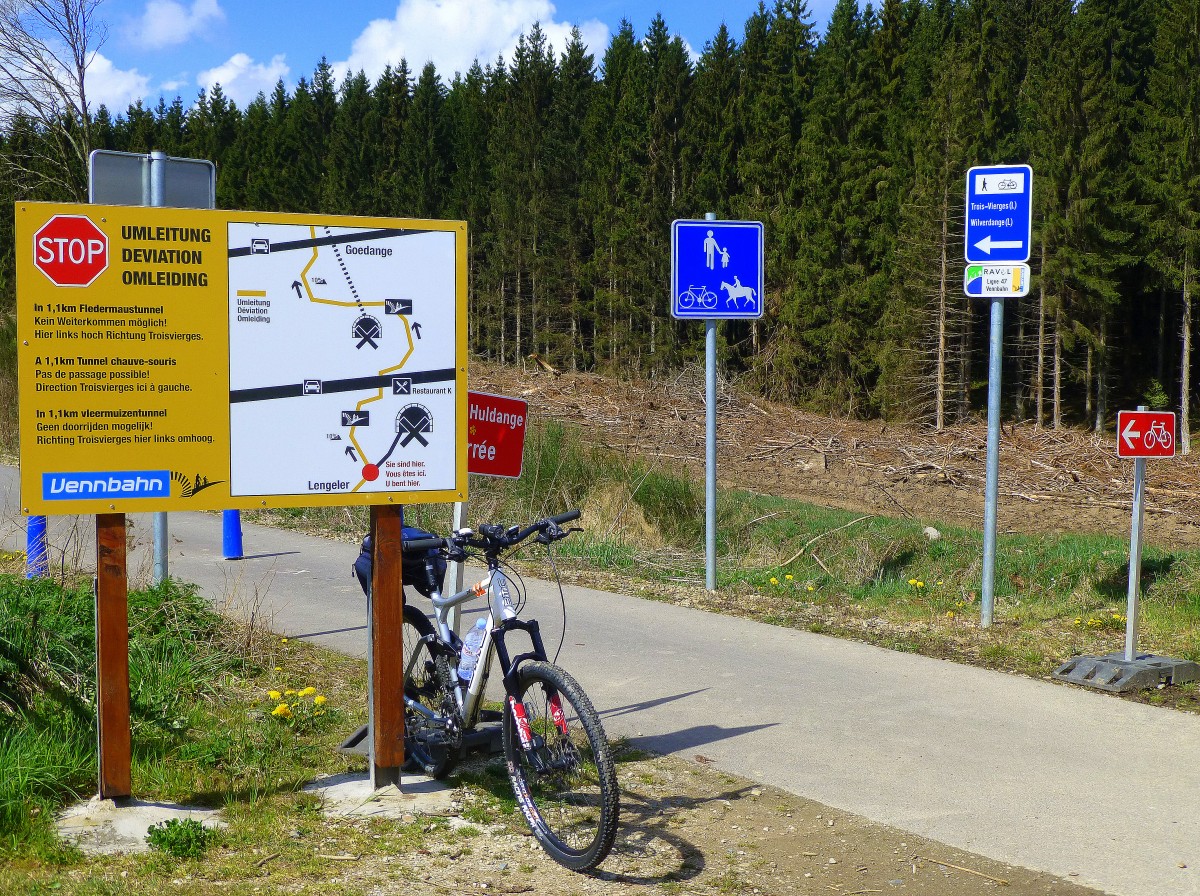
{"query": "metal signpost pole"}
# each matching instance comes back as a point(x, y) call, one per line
point(710, 454)
point(997, 241)
point(991, 489)
point(716, 274)
point(36, 564)
point(158, 193)
point(710, 446)
point(1135, 554)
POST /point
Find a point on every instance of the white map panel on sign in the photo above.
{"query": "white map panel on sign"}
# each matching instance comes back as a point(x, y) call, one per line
point(341, 359)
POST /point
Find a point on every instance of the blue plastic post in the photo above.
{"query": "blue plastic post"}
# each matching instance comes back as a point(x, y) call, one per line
point(36, 563)
point(231, 540)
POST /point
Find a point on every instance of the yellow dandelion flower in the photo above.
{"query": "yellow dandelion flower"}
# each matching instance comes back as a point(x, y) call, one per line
point(810, 587)
point(774, 581)
point(283, 640)
point(282, 711)
point(1078, 620)
point(289, 693)
point(920, 584)
point(274, 695)
point(320, 700)
point(279, 668)
point(912, 581)
point(788, 577)
point(949, 614)
point(308, 692)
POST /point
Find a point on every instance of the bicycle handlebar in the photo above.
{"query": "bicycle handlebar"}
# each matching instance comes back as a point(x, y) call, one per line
point(492, 538)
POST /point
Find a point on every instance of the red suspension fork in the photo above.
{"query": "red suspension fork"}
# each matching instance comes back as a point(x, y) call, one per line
point(522, 722)
point(556, 713)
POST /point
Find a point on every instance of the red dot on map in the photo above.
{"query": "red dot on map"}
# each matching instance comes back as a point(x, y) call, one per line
point(370, 472)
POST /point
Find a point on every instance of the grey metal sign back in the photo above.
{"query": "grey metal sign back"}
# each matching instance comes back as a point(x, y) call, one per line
point(123, 178)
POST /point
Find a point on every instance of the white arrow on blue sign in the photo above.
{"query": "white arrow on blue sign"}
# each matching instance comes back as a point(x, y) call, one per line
point(717, 269)
point(999, 213)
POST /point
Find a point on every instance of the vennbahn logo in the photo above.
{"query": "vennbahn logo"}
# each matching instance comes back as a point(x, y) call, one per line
point(122, 484)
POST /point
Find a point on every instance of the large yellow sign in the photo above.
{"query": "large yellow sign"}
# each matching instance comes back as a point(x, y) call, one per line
point(172, 359)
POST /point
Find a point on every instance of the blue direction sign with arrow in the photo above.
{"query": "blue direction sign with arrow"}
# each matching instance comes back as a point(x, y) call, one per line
point(999, 213)
point(717, 269)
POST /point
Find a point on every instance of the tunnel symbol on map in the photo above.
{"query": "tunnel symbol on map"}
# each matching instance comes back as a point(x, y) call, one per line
point(366, 330)
point(414, 422)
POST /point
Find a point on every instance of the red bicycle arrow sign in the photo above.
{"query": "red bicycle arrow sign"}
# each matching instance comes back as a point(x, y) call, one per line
point(1145, 434)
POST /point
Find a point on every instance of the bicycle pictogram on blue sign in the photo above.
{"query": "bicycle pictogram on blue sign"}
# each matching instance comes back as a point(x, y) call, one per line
point(717, 269)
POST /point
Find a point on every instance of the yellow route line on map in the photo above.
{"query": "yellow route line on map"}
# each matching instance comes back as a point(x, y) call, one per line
point(312, 230)
point(366, 401)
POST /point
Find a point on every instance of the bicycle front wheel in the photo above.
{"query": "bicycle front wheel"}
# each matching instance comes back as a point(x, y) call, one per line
point(561, 767)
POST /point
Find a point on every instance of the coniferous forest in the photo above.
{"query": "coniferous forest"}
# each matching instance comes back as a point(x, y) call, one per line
point(851, 146)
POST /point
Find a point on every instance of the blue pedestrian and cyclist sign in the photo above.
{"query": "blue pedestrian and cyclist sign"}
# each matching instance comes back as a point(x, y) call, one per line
point(999, 213)
point(717, 269)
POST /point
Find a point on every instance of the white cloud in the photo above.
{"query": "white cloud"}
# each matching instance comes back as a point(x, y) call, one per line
point(454, 33)
point(242, 79)
point(168, 23)
point(114, 87)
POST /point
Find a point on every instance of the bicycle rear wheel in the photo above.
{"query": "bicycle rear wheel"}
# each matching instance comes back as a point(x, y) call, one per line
point(431, 746)
point(564, 779)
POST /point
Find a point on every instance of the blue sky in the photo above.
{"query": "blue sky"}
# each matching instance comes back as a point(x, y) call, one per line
point(178, 47)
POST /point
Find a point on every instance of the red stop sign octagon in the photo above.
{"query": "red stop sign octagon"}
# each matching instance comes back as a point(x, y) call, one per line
point(70, 250)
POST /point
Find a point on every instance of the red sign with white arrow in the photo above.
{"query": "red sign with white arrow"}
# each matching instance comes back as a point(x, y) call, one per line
point(1145, 434)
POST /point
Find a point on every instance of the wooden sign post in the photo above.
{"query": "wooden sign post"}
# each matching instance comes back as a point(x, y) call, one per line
point(112, 657)
point(386, 658)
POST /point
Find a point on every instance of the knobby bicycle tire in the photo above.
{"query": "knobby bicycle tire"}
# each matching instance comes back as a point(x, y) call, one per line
point(429, 681)
point(566, 785)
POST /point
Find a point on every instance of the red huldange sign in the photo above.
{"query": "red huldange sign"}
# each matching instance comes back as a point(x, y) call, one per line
point(495, 434)
point(1145, 434)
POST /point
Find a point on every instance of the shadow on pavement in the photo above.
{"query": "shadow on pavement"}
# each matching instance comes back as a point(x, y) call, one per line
point(689, 738)
point(647, 704)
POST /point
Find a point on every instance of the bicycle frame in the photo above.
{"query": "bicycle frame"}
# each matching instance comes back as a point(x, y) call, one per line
point(502, 619)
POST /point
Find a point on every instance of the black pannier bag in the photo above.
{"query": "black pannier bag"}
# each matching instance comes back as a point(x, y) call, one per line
point(412, 564)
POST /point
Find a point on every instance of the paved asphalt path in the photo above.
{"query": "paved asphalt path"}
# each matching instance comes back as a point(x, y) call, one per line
point(1031, 773)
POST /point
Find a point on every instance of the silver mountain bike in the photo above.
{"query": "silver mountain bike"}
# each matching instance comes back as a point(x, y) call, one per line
point(557, 756)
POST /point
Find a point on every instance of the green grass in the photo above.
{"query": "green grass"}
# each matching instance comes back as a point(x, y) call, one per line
point(201, 717)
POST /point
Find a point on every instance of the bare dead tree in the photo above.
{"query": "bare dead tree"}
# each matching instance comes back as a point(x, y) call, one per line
point(46, 47)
